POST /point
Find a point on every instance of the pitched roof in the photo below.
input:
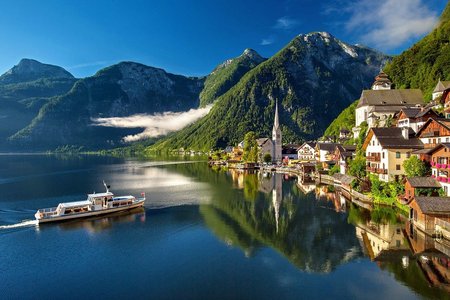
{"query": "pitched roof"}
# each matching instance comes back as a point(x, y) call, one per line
point(432, 150)
point(441, 86)
point(423, 182)
point(344, 178)
point(408, 97)
point(262, 141)
point(443, 122)
point(310, 144)
point(392, 138)
point(327, 146)
point(416, 112)
point(434, 205)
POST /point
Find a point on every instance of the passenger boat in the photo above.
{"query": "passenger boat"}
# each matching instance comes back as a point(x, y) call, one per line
point(95, 204)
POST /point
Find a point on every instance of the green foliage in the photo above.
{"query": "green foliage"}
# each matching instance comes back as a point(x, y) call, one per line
point(415, 167)
point(383, 192)
point(226, 76)
point(335, 169)
point(267, 158)
point(426, 62)
point(345, 120)
point(250, 148)
point(357, 167)
point(304, 109)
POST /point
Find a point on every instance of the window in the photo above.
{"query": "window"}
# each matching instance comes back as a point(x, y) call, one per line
point(408, 154)
point(383, 154)
point(397, 154)
point(397, 167)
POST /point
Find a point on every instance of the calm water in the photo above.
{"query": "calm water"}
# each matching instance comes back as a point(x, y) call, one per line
point(202, 234)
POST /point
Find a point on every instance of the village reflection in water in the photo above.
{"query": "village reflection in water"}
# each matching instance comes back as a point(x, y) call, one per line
point(318, 227)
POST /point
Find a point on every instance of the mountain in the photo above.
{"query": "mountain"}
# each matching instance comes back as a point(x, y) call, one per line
point(345, 120)
point(227, 74)
point(31, 70)
point(426, 62)
point(313, 78)
point(24, 89)
point(421, 67)
point(121, 90)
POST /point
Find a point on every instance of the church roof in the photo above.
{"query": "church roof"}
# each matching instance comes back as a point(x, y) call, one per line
point(276, 122)
point(441, 86)
point(405, 97)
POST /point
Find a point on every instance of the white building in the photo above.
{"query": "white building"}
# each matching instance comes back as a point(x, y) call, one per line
point(276, 138)
point(265, 146)
point(380, 104)
point(441, 86)
point(307, 151)
point(386, 150)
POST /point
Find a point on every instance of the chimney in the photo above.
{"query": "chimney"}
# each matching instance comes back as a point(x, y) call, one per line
point(405, 133)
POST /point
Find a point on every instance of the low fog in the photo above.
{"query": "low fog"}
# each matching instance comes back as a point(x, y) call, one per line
point(155, 125)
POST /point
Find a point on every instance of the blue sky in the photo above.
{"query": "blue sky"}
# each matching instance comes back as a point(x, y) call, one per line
point(191, 37)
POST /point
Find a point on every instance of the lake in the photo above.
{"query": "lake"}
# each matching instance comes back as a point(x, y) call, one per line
point(203, 234)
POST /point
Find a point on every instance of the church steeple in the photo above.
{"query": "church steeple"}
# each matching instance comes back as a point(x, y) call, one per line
point(276, 137)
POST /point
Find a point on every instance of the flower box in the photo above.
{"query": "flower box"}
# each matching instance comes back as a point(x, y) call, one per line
point(432, 176)
point(433, 163)
point(438, 165)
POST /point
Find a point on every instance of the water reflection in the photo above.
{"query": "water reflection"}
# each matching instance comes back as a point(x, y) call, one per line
point(270, 210)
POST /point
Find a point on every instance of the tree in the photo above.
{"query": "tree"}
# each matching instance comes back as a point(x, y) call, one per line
point(415, 167)
point(250, 147)
point(335, 169)
point(357, 167)
point(267, 158)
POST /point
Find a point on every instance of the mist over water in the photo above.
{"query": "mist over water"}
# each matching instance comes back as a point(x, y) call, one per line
point(154, 125)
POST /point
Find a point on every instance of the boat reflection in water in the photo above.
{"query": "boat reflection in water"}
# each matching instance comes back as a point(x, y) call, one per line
point(97, 224)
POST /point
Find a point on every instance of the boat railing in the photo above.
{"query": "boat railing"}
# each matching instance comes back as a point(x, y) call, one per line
point(48, 211)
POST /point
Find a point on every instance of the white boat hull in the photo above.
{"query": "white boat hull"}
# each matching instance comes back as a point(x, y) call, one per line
point(79, 215)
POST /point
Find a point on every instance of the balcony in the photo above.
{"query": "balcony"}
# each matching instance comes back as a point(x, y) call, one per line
point(443, 179)
point(381, 171)
point(369, 169)
point(373, 158)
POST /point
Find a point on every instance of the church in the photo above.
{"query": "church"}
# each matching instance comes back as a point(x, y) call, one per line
point(276, 138)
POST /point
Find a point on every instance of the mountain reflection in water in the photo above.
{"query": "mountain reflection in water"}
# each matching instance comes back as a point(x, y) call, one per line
point(318, 229)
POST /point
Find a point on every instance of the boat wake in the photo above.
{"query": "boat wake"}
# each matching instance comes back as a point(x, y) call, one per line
point(24, 223)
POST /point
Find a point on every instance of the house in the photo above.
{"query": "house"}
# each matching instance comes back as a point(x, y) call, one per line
point(307, 151)
point(376, 107)
point(415, 117)
point(441, 86)
point(425, 210)
point(325, 151)
point(290, 151)
point(387, 148)
point(342, 155)
point(440, 165)
point(265, 146)
point(344, 134)
point(434, 132)
point(446, 101)
point(420, 186)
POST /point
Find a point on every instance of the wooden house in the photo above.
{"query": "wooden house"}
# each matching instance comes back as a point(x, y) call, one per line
point(425, 210)
point(415, 117)
point(434, 132)
point(420, 186)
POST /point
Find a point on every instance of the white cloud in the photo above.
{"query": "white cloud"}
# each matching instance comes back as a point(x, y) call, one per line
point(391, 23)
point(285, 23)
point(267, 41)
point(155, 125)
point(91, 64)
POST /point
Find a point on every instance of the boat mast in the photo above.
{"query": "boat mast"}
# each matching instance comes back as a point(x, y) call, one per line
point(106, 186)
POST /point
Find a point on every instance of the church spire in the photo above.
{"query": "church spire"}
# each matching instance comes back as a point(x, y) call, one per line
point(276, 137)
point(276, 122)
